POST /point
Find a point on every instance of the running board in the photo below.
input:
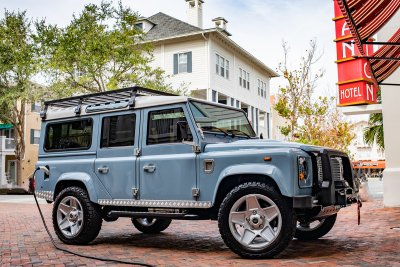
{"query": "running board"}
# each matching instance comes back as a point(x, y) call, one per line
point(153, 215)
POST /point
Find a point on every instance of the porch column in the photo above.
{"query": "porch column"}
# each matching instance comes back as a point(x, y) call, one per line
point(391, 123)
point(2, 170)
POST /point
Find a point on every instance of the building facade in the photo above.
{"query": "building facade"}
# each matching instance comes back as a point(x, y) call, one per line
point(209, 64)
point(8, 162)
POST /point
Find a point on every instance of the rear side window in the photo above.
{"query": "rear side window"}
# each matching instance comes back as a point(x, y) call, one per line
point(163, 127)
point(69, 135)
point(118, 131)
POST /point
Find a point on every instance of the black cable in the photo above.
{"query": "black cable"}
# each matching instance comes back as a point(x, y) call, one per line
point(76, 253)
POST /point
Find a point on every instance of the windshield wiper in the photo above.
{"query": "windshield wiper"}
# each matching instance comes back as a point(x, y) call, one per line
point(210, 128)
point(237, 131)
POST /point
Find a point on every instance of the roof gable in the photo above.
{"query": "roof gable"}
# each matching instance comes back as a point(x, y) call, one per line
point(166, 26)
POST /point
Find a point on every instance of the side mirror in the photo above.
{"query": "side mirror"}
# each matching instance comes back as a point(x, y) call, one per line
point(183, 129)
point(261, 136)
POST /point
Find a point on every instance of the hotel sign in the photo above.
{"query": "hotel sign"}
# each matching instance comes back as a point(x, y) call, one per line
point(355, 82)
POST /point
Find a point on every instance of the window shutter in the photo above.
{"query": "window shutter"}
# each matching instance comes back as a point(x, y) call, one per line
point(175, 63)
point(32, 136)
point(189, 62)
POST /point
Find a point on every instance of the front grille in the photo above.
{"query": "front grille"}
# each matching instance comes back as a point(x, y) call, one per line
point(337, 168)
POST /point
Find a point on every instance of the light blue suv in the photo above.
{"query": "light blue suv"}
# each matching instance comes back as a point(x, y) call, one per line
point(154, 157)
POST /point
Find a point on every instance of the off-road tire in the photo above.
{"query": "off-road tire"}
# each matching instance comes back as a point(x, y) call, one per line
point(92, 220)
point(158, 226)
point(288, 220)
point(322, 229)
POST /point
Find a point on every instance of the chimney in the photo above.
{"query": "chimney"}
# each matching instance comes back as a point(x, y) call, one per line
point(220, 23)
point(195, 13)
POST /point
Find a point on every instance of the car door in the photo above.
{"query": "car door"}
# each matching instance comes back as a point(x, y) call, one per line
point(167, 166)
point(116, 160)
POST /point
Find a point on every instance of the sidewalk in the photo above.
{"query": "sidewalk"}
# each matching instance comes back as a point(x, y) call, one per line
point(376, 242)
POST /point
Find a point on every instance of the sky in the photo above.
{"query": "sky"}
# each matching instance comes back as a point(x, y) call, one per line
point(259, 26)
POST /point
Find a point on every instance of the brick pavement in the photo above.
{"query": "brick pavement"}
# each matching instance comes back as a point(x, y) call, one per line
point(23, 242)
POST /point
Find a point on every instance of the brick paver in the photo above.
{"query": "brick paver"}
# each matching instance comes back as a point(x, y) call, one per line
point(376, 242)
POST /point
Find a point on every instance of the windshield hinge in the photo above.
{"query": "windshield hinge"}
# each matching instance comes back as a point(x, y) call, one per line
point(137, 152)
point(196, 149)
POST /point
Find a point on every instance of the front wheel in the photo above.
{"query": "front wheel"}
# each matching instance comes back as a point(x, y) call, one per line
point(76, 219)
point(151, 226)
point(316, 229)
point(255, 221)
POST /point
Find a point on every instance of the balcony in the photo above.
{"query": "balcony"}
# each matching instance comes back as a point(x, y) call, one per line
point(7, 145)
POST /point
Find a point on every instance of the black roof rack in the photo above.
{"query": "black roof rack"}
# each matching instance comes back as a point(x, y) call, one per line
point(129, 93)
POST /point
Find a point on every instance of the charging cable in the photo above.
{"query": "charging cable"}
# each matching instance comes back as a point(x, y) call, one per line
point(45, 170)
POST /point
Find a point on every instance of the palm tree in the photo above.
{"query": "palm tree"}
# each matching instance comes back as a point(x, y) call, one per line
point(375, 131)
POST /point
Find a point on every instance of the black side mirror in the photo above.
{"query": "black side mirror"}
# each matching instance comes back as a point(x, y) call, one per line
point(261, 136)
point(183, 129)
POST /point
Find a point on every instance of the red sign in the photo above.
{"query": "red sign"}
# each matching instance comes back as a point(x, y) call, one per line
point(358, 92)
point(354, 69)
point(356, 85)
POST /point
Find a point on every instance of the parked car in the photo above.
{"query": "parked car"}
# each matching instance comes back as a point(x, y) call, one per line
point(155, 157)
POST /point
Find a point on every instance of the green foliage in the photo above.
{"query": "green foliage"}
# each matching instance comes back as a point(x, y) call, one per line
point(101, 49)
point(374, 132)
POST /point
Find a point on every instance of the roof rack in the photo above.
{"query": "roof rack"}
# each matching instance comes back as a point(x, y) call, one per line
point(129, 93)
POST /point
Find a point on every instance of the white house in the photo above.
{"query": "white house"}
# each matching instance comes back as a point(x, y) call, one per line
point(209, 63)
point(362, 151)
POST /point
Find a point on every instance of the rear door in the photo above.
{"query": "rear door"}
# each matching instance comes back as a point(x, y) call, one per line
point(116, 160)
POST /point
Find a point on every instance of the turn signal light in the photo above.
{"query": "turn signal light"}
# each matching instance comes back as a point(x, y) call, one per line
point(267, 158)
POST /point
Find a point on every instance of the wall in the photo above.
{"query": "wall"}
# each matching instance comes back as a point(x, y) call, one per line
point(232, 87)
point(163, 58)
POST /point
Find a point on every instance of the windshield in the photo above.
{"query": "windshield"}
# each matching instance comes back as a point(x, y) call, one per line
point(221, 120)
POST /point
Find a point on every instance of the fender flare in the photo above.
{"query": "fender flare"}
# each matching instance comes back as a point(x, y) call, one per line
point(248, 169)
point(83, 177)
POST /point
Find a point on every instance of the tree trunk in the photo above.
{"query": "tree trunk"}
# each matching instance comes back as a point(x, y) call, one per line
point(19, 137)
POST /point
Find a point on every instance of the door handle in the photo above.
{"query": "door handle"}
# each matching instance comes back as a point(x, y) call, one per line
point(103, 169)
point(149, 168)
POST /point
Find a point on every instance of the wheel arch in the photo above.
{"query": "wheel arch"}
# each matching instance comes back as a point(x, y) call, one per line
point(82, 180)
point(236, 175)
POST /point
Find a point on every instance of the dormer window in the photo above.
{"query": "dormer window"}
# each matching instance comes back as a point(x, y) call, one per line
point(139, 26)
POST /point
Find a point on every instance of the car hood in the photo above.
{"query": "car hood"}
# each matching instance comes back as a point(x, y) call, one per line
point(260, 144)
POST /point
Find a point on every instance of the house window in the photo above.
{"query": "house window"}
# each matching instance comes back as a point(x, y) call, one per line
point(139, 26)
point(222, 66)
point(262, 88)
point(244, 78)
point(232, 102)
point(118, 131)
point(35, 136)
point(35, 107)
point(183, 62)
point(237, 103)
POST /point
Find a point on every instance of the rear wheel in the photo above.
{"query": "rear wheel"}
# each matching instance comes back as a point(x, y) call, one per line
point(315, 229)
point(150, 225)
point(255, 221)
point(76, 220)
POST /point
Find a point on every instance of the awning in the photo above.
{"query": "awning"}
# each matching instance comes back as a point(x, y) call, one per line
point(383, 68)
point(6, 126)
point(368, 164)
point(364, 18)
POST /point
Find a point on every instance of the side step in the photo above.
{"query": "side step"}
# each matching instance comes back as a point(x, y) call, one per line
point(153, 215)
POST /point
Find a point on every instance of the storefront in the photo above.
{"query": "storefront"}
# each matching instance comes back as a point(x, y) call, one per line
point(369, 168)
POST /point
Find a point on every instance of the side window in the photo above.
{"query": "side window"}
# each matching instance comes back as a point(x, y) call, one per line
point(118, 131)
point(168, 126)
point(69, 135)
